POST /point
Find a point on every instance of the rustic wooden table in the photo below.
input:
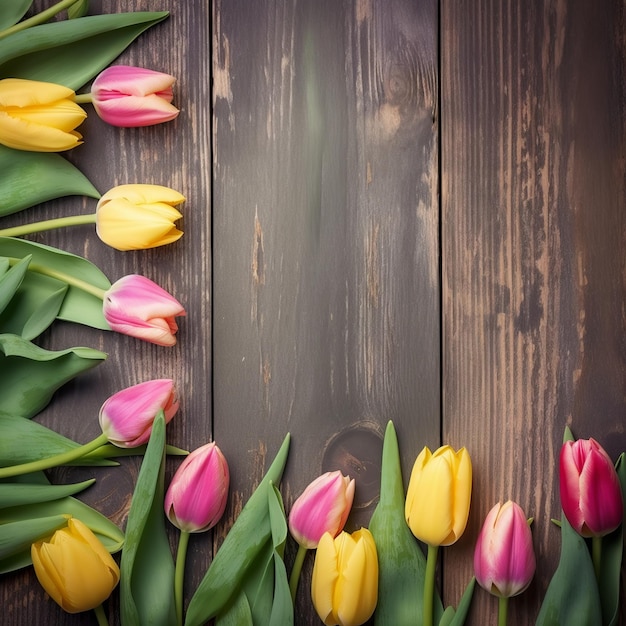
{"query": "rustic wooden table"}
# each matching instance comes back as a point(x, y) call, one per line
point(396, 209)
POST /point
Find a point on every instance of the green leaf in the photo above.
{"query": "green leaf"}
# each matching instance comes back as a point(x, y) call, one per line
point(19, 494)
point(78, 9)
point(11, 280)
point(43, 316)
point(30, 375)
point(41, 443)
point(572, 597)
point(12, 11)
point(107, 532)
point(460, 615)
point(72, 52)
point(79, 306)
point(401, 561)
point(147, 567)
point(15, 537)
point(236, 613)
point(30, 178)
point(611, 560)
point(246, 539)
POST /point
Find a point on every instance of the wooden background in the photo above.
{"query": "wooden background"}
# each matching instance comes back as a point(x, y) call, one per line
point(396, 209)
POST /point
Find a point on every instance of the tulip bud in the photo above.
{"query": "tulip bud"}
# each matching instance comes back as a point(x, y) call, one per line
point(344, 587)
point(74, 568)
point(438, 497)
point(322, 507)
point(126, 418)
point(196, 498)
point(136, 217)
point(591, 495)
point(136, 306)
point(504, 560)
point(38, 116)
point(133, 96)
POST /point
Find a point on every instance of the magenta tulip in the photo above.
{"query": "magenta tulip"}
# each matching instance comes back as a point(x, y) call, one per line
point(504, 560)
point(133, 96)
point(196, 498)
point(591, 495)
point(136, 306)
point(322, 507)
point(126, 418)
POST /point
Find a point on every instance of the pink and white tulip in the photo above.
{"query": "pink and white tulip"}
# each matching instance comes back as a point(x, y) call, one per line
point(133, 96)
point(323, 507)
point(591, 496)
point(504, 559)
point(136, 306)
point(126, 418)
point(196, 498)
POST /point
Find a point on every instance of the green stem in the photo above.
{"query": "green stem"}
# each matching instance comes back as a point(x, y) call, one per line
point(179, 576)
point(503, 607)
point(295, 572)
point(66, 278)
point(596, 555)
point(40, 18)
point(429, 584)
point(53, 461)
point(101, 616)
point(38, 227)
point(83, 98)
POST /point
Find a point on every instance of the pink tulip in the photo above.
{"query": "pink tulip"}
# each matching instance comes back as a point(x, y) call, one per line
point(591, 495)
point(133, 96)
point(196, 498)
point(126, 418)
point(504, 560)
point(136, 306)
point(322, 507)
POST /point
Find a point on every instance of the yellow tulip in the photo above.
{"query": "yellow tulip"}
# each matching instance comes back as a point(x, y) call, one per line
point(438, 498)
point(38, 116)
point(74, 568)
point(138, 216)
point(344, 587)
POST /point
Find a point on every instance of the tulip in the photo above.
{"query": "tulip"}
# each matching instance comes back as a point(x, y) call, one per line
point(132, 96)
point(323, 507)
point(136, 306)
point(344, 587)
point(38, 116)
point(75, 569)
point(437, 506)
point(591, 496)
point(136, 217)
point(504, 559)
point(126, 418)
point(195, 501)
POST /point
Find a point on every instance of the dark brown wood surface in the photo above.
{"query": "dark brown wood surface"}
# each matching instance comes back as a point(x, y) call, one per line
point(403, 210)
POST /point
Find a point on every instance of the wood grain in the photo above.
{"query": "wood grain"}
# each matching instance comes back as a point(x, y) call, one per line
point(533, 258)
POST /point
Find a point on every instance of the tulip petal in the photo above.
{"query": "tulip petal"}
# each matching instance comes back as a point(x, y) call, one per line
point(136, 111)
point(136, 81)
point(23, 135)
point(324, 579)
point(18, 92)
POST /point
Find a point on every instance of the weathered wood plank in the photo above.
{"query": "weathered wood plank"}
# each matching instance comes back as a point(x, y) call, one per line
point(326, 271)
point(176, 154)
point(533, 255)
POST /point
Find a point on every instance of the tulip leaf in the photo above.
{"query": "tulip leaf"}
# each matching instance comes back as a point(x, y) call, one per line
point(572, 596)
point(29, 375)
point(237, 612)
point(611, 559)
point(72, 52)
point(10, 281)
point(459, 616)
point(107, 532)
point(15, 537)
point(401, 561)
point(43, 316)
point(147, 567)
point(78, 9)
point(42, 443)
point(30, 178)
point(79, 306)
point(248, 536)
point(12, 12)
point(19, 494)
